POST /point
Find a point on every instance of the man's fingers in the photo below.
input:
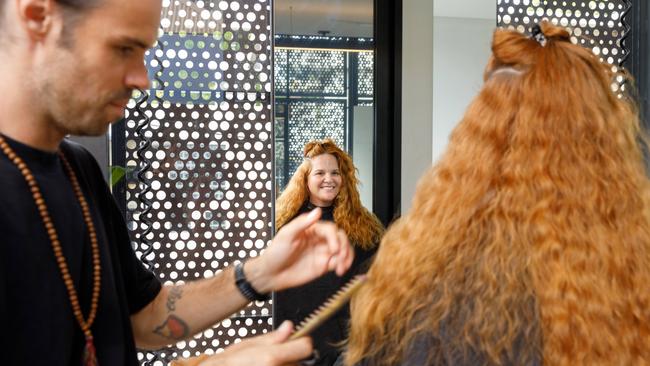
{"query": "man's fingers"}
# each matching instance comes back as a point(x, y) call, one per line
point(346, 254)
point(293, 351)
point(300, 223)
point(332, 263)
point(328, 232)
point(284, 352)
point(279, 335)
point(338, 246)
point(269, 350)
point(283, 332)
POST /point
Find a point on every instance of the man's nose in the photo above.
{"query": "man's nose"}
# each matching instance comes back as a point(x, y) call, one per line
point(137, 77)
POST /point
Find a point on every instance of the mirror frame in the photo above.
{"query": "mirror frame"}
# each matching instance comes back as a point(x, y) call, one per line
point(639, 62)
point(387, 27)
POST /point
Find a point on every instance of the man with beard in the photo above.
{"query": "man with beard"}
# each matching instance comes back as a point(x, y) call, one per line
point(71, 288)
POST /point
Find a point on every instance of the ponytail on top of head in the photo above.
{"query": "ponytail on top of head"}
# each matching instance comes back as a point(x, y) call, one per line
point(529, 240)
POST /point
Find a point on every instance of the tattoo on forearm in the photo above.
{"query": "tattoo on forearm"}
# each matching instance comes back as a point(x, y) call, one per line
point(173, 328)
point(175, 293)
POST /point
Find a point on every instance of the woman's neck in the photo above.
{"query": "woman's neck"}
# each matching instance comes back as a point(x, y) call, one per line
point(313, 205)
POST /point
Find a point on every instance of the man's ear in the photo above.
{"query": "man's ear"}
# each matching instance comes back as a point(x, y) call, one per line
point(36, 16)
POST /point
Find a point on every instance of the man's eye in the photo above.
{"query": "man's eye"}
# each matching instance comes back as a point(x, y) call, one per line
point(124, 50)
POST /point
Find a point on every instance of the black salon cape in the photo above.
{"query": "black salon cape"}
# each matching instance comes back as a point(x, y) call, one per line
point(297, 303)
point(38, 326)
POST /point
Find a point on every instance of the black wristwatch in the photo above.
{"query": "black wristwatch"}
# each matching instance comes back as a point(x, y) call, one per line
point(245, 287)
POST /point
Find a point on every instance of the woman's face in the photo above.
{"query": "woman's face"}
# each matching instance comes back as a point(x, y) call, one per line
point(324, 181)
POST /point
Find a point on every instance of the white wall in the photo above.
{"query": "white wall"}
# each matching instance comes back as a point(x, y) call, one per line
point(460, 53)
point(417, 93)
point(477, 9)
point(362, 151)
point(445, 46)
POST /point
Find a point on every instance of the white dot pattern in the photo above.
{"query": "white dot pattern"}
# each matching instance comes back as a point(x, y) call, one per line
point(597, 25)
point(211, 154)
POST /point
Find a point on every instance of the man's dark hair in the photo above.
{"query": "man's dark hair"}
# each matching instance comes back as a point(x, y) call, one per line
point(73, 11)
point(73, 5)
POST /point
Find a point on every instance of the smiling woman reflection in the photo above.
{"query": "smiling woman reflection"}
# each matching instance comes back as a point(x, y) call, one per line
point(326, 179)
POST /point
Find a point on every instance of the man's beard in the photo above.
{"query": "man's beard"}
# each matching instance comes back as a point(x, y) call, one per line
point(81, 118)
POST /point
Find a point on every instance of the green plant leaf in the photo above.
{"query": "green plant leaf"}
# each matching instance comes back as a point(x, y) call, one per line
point(117, 174)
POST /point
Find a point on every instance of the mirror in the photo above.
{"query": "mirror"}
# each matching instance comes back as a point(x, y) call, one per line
point(324, 88)
point(324, 80)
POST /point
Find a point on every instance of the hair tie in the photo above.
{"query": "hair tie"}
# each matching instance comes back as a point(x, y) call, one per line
point(538, 35)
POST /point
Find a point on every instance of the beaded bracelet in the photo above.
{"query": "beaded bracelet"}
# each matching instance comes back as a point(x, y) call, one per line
point(245, 287)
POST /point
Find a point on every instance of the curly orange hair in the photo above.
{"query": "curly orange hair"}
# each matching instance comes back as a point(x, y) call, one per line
point(362, 227)
point(530, 238)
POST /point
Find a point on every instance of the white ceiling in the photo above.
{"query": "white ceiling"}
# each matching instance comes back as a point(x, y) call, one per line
point(353, 18)
point(479, 9)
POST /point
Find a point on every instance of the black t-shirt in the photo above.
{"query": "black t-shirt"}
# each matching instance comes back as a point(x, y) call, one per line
point(297, 303)
point(38, 326)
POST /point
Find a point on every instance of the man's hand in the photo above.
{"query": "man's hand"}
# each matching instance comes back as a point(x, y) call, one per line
point(267, 350)
point(302, 250)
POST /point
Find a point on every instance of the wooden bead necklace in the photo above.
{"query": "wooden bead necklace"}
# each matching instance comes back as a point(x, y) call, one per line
point(90, 357)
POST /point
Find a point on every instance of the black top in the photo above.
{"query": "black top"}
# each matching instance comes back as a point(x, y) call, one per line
point(422, 347)
point(36, 315)
point(297, 303)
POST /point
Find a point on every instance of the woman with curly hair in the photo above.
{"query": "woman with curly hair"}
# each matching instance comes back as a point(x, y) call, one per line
point(326, 179)
point(529, 241)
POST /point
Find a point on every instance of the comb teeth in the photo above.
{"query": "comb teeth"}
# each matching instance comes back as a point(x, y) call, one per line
point(329, 307)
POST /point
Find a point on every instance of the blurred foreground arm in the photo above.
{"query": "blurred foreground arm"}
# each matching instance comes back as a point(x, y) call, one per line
point(302, 251)
point(266, 350)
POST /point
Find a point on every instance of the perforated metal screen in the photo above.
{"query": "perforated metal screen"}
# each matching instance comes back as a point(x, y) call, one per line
point(207, 167)
point(315, 90)
point(309, 120)
point(365, 72)
point(597, 25)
